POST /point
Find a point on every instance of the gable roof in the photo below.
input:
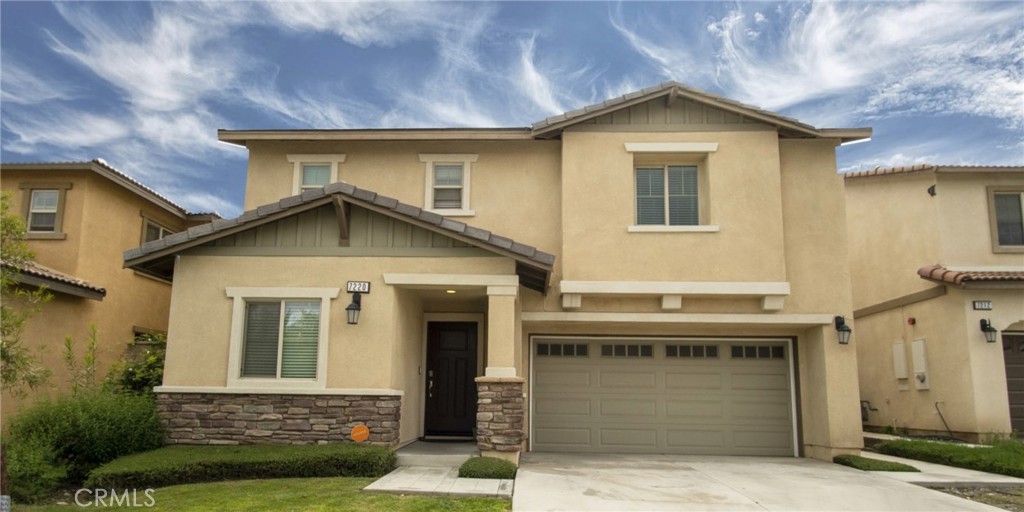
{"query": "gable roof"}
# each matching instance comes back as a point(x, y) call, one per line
point(964, 278)
point(101, 167)
point(533, 265)
point(932, 168)
point(552, 127)
point(31, 273)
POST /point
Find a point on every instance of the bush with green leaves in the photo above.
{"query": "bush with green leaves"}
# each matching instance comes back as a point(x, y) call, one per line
point(487, 467)
point(32, 471)
point(174, 465)
point(86, 430)
point(142, 374)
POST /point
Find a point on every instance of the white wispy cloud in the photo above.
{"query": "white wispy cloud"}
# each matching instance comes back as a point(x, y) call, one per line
point(937, 57)
point(18, 84)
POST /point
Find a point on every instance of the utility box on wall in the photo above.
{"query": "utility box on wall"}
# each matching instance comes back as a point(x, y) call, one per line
point(920, 361)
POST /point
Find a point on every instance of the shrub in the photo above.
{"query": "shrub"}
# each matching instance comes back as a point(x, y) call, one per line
point(868, 464)
point(142, 374)
point(88, 429)
point(32, 472)
point(174, 465)
point(487, 467)
point(1004, 457)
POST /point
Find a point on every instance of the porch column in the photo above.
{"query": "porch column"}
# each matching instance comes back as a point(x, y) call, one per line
point(501, 331)
point(500, 400)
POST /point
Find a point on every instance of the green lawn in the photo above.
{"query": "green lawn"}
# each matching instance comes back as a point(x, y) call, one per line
point(1003, 457)
point(866, 464)
point(294, 494)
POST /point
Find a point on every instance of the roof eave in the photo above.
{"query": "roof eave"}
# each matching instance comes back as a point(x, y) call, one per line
point(54, 285)
point(846, 135)
point(242, 137)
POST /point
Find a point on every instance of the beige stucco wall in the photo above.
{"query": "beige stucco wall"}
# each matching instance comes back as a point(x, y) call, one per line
point(100, 220)
point(359, 356)
point(963, 212)
point(965, 374)
point(744, 199)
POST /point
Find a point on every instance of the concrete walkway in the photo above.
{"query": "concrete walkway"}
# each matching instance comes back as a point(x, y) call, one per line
point(550, 481)
point(433, 469)
point(937, 475)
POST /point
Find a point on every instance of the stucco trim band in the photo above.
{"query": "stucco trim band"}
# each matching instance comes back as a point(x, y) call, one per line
point(451, 280)
point(735, 289)
point(671, 147)
point(737, 319)
point(279, 391)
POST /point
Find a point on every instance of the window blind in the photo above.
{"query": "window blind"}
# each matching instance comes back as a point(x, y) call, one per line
point(259, 353)
point(1009, 221)
point(682, 196)
point(650, 196)
point(299, 344)
point(317, 175)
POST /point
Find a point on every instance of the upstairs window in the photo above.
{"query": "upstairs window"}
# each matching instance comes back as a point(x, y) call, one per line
point(152, 231)
point(667, 195)
point(1006, 210)
point(43, 209)
point(315, 176)
point(447, 184)
point(312, 171)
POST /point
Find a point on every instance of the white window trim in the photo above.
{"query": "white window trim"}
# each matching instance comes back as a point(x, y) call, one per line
point(993, 218)
point(431, 159)
point(298, 160)
point(146, 222)
point(671, 147)
point(651, 228)
point(239, 296)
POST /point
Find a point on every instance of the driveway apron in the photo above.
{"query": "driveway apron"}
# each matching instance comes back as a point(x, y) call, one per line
point(560, 481)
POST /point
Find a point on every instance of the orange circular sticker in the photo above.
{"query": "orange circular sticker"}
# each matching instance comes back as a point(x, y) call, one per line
point(360, 433)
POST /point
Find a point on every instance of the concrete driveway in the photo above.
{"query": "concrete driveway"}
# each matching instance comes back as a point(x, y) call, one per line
point(559, 481)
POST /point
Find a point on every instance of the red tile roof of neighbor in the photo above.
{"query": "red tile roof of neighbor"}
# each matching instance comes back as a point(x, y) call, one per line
point(53, 276)
point(961, 278)
point(921, 168)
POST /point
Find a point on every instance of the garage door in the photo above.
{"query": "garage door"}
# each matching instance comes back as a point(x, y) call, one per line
point(685, 396)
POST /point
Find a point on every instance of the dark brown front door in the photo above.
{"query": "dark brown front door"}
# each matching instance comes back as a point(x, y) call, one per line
point(1013, 357)
point(451, 368)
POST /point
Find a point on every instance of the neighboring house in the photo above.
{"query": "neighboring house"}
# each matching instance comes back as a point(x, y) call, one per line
point(937, 254)
point(80, 217)
point(658, 273)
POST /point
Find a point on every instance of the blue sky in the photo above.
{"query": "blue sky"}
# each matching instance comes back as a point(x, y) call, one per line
point(145, 86)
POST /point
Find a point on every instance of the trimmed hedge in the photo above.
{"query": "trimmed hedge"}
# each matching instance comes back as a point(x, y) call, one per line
point(868, 464)
point(174, 465)
point(487, 467)
point(1003, 457)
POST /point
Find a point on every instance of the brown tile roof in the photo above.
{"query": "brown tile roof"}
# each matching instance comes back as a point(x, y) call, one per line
point(941, 274)
point(369, 199)
point(49, 277)
point(101, 167)
point(555, 123)
point(918, 168)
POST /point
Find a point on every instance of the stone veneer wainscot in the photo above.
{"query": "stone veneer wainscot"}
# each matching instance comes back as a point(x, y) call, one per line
point(499, 416)
point(226, 418)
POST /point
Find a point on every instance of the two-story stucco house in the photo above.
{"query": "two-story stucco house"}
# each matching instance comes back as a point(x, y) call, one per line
point(937, 254)
point(80, 217)
point(658, 273)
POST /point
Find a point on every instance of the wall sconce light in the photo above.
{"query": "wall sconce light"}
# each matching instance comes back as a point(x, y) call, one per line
point(990, 332)
point(353, 309)
point(843, 330)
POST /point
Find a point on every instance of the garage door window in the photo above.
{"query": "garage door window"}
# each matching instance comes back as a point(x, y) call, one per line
point(562, 349)
point(758, 352)
point(627, 350)
point(692, 351)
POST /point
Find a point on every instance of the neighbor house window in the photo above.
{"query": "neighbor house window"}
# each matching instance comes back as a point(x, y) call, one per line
point(44, 209)
point(279, 337)
point(152, 231)
point(1006, 211)
point(667, 196)
point(314, 171)
point(447, 185)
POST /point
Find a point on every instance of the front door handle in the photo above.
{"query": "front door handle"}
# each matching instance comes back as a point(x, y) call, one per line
point(430, 388)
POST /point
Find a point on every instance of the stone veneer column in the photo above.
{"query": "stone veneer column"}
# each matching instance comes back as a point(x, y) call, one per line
point(243, 418)
point(500, 417)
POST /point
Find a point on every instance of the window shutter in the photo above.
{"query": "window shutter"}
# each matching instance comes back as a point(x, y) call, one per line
point(650, 196)
point(1009, 222)
point(259, 355)
point(682, 196)
point(301, 335)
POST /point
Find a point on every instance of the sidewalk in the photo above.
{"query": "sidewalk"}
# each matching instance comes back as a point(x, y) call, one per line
point(439, 481)
point(937, 475)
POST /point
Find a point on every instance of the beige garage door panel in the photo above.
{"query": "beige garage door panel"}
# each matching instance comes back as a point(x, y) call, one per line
point(661, 404)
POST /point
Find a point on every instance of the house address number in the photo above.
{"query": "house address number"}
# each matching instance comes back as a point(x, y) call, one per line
point(982, 305)
point(359, 287)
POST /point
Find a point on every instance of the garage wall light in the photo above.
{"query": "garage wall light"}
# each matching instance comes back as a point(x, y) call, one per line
point(989, 330)
point(843, 330)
